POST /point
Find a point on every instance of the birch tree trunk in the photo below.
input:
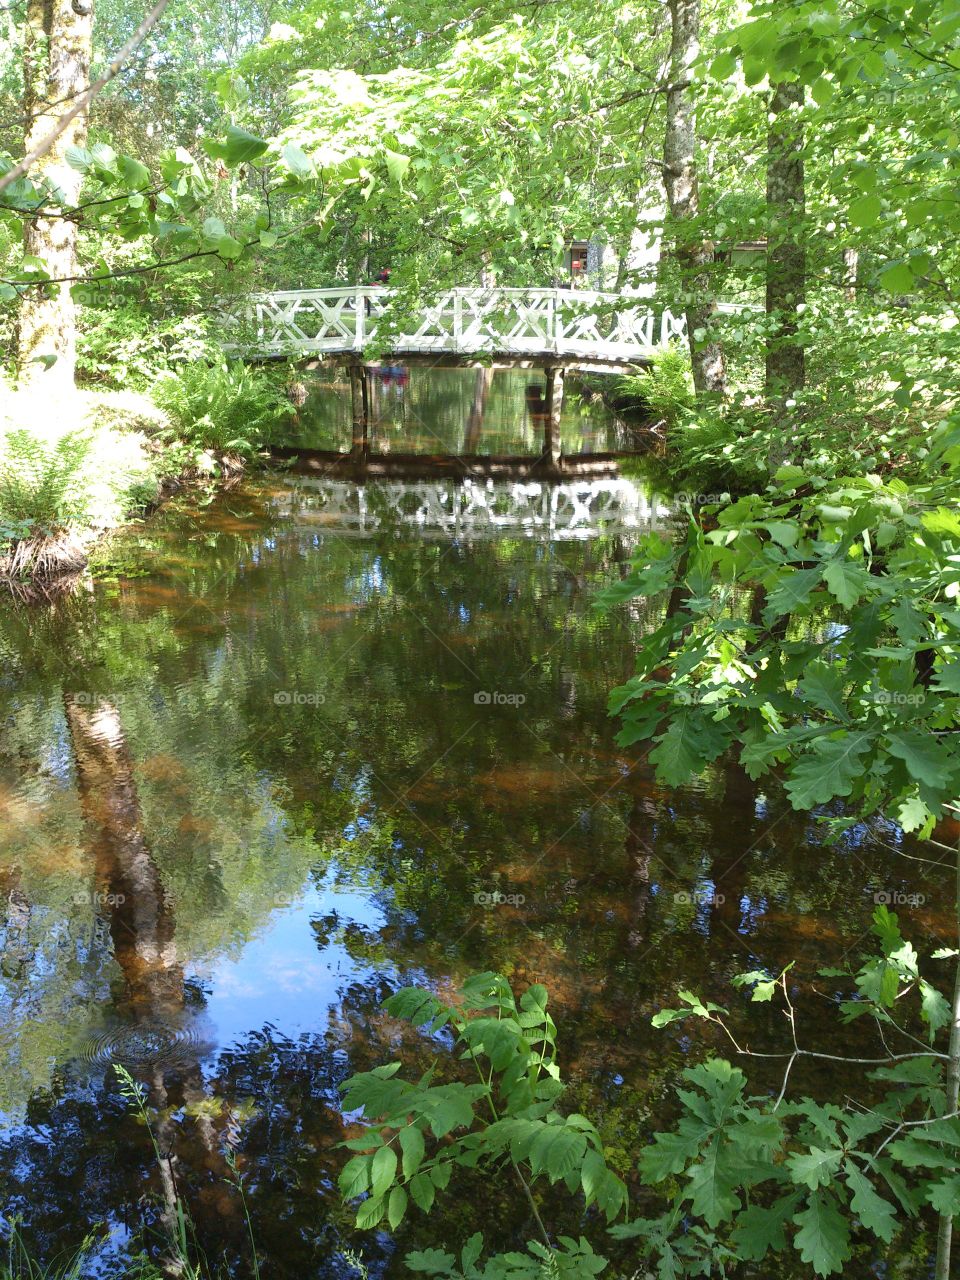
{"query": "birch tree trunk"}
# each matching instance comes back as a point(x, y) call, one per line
point(56, 68)
point(694, 257)
point(786, 256)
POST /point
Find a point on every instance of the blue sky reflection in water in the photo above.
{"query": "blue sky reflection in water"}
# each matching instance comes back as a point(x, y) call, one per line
point(287, 730)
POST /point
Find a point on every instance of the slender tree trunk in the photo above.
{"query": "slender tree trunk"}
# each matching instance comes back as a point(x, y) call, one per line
point(694, 256)
point(851, 267)
point(786, 256)
point(56, 67)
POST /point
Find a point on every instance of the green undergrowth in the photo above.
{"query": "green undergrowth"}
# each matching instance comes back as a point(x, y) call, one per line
point(72, 466)
point(226, 407)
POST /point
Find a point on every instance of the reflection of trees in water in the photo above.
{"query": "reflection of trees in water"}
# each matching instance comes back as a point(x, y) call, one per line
point(141, 923)
point(447, 411)
point(152, 1000)
point(205, 801)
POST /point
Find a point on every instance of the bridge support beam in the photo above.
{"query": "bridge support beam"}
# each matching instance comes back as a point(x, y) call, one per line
point(360, 406)
point(551, 422)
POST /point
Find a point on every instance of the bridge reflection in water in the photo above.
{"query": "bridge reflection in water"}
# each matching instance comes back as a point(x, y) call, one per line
point(468, 509)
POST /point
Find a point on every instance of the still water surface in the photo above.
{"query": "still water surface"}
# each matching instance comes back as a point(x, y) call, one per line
point(276, 764)
point(419, 410)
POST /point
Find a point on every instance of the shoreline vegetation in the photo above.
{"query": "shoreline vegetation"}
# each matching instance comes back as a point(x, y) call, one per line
point(782, 178)
point(77, 464)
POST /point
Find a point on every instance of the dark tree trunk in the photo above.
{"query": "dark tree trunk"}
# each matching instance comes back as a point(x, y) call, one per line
point(786, 256)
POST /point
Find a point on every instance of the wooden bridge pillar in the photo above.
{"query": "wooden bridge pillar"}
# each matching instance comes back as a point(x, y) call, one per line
point(551, 422)
point(360, 402)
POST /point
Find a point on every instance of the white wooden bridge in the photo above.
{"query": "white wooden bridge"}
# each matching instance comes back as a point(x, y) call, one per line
point(570, 327)
point(550, 329)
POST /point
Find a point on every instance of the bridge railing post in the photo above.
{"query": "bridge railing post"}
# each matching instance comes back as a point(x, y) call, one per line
point(360, 320)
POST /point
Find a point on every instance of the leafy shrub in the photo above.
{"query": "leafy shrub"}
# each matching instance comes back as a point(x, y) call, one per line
point(739, 1177)
point(62, 467)
point(413, 1136)
point(226, 407)
point(665, 389)
point(42, 480)
point(125, 346)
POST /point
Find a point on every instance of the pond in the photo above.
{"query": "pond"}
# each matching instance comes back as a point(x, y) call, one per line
point(313, 742)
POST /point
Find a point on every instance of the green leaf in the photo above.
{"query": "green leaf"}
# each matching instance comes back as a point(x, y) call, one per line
point(948, 677)
point(433, 1262)
point(876, 1214)
point(297, 161)
point(79, 158)
point(355, 1177)
point(396, 1207)
point(471, 1251)
point(814, 1168)
point(423, 1191)
point(370, 1212)
point(865, 211)
point(934, 1008)
point(214, 229)
point(397, 165)
point(792, 591)
point(691, 741)
point(828, 769)
point(669, 1153)
point(823, 686)
point(723, 66)
point(784, 532)
point(824, 1237)
point(758, 1230)
point(846, 581)
point(945, 1195)
point(897, 278)
point(134, 174)
point(411, 1144)
point(926, 760)
point(383, 1170)
point(239, 147)
point(229, 248)
point(712, 1187)
point(557, 1151)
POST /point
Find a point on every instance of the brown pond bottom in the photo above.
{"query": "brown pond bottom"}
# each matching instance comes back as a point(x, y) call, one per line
point(266, 773)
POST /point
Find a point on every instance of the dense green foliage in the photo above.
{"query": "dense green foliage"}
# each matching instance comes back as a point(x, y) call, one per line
point(510, 1116)
point(225, 407)
point(743, 1175)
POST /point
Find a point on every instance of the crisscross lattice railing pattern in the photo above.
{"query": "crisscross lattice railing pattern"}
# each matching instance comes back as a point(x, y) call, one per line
point(536, 322)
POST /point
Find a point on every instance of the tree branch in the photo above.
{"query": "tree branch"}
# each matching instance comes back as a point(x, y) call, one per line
point(40, 150)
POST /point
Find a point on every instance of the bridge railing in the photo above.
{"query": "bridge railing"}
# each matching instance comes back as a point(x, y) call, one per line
point(538, 322)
